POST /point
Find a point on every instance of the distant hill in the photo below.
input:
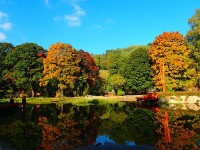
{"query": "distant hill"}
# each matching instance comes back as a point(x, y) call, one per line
point(127, 50)
point(103, 60)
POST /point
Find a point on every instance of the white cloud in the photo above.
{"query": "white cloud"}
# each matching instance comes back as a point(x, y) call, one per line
point(6, 26)
point(74, 19)
point(3, 15)
point(78, 10)
point(2, 37)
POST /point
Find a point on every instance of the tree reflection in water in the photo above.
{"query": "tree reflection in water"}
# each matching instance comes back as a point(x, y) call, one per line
point(118, 126)
point(184, 130)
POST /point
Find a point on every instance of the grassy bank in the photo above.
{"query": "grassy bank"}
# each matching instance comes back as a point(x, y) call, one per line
point(65, 100)
point(95, 99)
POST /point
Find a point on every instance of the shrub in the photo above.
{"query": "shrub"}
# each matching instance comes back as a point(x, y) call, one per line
point(120, 93)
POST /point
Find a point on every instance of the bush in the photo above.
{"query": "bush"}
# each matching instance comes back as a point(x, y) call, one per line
point(121, 104)
point(109, 88)
point(120, 93)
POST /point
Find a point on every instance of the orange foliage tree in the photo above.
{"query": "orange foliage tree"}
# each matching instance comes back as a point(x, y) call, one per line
point(171, 65)
point(75, 71)
point(61, 63)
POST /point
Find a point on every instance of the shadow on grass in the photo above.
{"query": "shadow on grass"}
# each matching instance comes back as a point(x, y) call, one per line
point(94, 102)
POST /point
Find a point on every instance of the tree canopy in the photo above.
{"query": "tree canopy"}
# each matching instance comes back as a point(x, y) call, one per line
point(24, 67)
point(61, 63)
point(88, 76)
point(71, 68)
point(5, 84)
point(171, 64)
point(138, 72)
point(193, 40)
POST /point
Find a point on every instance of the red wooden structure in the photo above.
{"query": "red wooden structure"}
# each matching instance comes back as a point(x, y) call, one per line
point(148, 97)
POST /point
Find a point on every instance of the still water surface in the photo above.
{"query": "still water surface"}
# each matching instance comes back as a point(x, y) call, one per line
point(100, 127)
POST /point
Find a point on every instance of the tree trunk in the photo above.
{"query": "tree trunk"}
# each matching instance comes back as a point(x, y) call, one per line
point(32, 91)
point(61, 92)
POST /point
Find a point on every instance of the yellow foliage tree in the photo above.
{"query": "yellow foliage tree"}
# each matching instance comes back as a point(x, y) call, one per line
point(61, 63)
point(172, 68)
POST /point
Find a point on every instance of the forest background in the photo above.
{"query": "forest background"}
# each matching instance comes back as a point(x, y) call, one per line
point(170, 63)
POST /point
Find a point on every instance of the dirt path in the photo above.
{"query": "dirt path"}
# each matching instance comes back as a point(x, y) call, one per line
point(120, 98)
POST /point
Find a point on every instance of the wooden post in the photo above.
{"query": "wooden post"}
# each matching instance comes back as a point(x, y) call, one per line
point(12, 101)
point(24, 100)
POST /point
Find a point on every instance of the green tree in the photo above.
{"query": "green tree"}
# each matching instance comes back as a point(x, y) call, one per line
point(104, 75)
point(117, 82)
point(25, 67)
point(114, 61)
point(138, 72)
point(193, 39)
point(5, 84)
point(101, 61)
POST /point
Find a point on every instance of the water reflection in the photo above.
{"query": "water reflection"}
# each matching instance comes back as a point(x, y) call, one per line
point(117, 126)
point(103, 140)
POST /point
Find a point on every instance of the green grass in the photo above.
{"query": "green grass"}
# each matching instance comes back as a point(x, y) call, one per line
point(65, 100)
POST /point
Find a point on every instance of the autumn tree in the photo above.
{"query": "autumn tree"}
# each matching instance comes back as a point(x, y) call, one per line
point(193, 40)
point(24, 67)
point(88, 76)
point(61, 64)
point(172, 68)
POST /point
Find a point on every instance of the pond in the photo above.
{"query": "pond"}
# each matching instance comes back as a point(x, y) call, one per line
point(114, 127)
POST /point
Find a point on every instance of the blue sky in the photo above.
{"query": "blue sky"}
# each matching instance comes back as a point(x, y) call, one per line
point(92, 25)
